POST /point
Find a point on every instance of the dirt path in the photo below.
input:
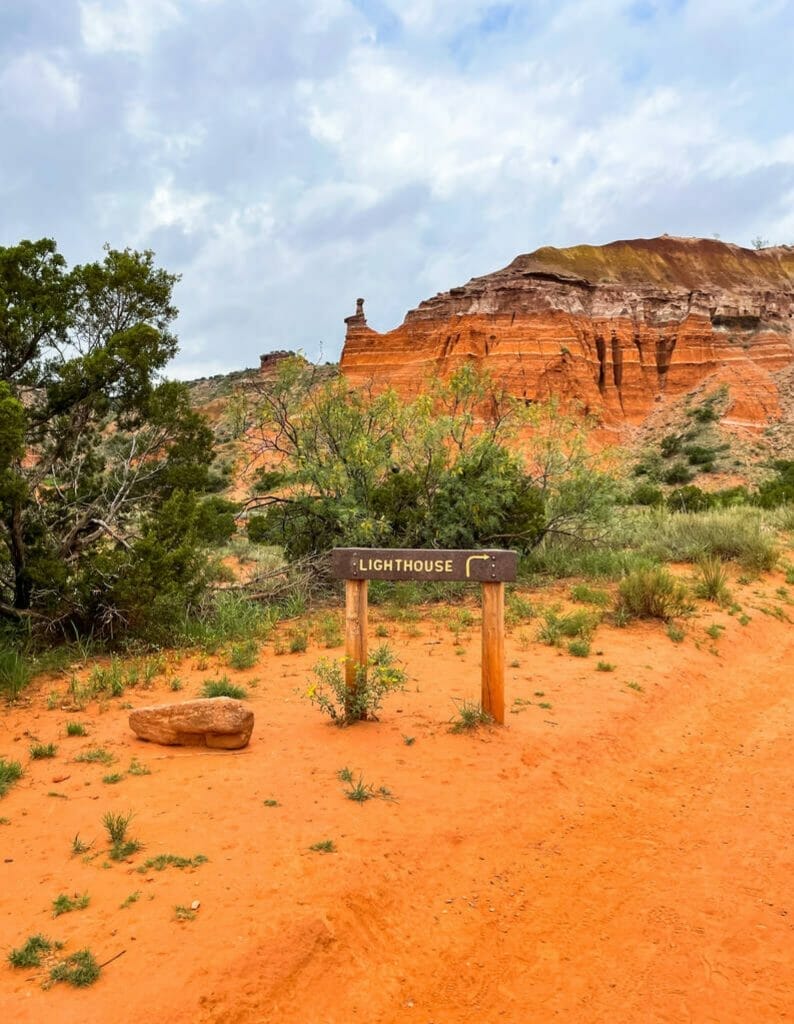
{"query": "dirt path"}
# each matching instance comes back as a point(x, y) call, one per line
point(623, 855)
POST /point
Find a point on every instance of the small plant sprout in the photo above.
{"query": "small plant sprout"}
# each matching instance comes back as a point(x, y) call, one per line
point(360, 791)
point(469, 717)
point(715, 630)
point(64, 904)
point(633, 685)
point(132, 898)
point(116, 826)
point(605, 666)
point(78, 846)
point(40, 751)
point(136, 768)
point(409, 740)
point(324, 846)
point(675, 633)
point(182, 913)
point(344, 775)
point(75, 729)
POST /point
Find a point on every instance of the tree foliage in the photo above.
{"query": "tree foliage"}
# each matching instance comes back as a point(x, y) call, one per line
point(346, 466)
point(94, 446)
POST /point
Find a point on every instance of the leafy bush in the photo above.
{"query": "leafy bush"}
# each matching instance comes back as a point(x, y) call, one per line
point(678, 473)
point(372, 684)
point(779, 490)
point(652, 594)
point(689, 499)
point(647, 494)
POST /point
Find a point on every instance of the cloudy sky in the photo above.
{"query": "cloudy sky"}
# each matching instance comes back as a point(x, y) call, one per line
point(287, 156)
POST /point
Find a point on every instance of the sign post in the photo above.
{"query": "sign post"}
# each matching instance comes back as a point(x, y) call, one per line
point(490, 568)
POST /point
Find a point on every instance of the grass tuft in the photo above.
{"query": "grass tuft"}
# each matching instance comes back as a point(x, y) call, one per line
point(223, 688)
point(10, 772)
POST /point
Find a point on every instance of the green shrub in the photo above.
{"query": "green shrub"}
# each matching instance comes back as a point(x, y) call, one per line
point(652, 594)
point(678, 473)
point(579, 648)
point(689, 499)
point(344, 707)
point(647, 494)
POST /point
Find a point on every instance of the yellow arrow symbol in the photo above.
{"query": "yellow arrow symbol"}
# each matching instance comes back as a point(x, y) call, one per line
point(474, 558)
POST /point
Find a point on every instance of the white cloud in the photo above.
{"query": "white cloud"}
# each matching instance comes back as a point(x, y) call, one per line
point(170, 207)
point(33, 86)
point(125, 25)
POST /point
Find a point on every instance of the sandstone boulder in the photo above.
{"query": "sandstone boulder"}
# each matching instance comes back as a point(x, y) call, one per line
point(218, 722)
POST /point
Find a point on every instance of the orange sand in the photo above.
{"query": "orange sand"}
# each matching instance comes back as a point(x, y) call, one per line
point(623, 856)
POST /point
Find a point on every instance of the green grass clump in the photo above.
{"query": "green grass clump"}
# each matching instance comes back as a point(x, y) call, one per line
point(116, 826)
point(75, 729)
point(182, 913)
point(41, 751)
point(743, 534)
point(80, 969)
point(136, 768)
point(652, 594)
point(329, 630)
point(469, 717)
point(10, 772)
point(29, 955)
point(579, 648)
point(712, 582)
point(96, 755)
point(579, 624)
point(111, 780)
point(605, 666)
point(590, 595)
point(298, 641)
point(223, 688)
point(166, 860)
point(324, 846)
point(64, 904)
point(15, 673)
point(244, 655)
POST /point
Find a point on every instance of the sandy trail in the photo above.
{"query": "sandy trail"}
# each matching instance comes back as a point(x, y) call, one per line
point(623, 855)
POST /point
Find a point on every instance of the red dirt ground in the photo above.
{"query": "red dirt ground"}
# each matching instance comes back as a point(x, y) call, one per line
point(623, 855)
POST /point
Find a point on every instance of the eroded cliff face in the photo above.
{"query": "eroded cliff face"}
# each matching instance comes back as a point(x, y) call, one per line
point(615, 328)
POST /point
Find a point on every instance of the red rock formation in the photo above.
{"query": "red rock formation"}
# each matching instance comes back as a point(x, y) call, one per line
point(614, 327)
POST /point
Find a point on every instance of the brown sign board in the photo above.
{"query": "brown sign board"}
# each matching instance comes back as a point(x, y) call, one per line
point(423, 564)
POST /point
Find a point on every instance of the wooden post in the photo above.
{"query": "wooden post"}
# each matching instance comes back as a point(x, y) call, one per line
point(355, 631)
point(493, 650)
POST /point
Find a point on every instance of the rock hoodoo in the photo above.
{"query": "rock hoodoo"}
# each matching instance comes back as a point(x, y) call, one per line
point(613, 327)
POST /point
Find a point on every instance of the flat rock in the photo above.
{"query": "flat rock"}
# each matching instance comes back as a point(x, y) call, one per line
point(219, 722)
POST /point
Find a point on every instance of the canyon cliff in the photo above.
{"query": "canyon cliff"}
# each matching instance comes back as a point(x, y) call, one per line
point(614, 328)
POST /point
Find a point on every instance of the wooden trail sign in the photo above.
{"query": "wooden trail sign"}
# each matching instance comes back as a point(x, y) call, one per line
point(490, 568)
